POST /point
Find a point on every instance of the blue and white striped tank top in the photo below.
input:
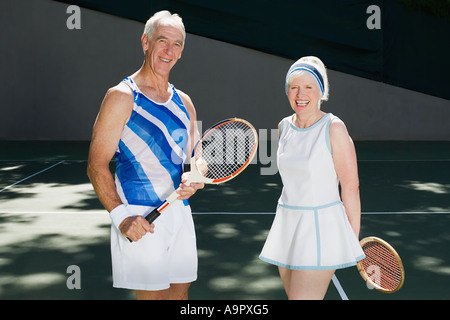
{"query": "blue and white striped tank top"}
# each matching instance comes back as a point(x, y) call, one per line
point(152, 149)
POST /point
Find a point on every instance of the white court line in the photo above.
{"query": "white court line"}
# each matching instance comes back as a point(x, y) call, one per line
point(370, 213)
point(403, 160)
point(339, 288)
point(101, 211)
point(335, 280)
point(359, 160)
point(407, 212)
point(55, 212)
point(231, 213)
point(34, 174)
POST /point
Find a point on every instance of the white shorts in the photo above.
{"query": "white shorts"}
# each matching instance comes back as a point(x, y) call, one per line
point(158, 259)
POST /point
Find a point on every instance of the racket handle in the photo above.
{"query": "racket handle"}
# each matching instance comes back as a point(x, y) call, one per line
point(150, 218)
point(153, 215)
point(157, 211)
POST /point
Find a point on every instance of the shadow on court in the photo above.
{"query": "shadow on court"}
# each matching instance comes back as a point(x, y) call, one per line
point(37, 268)
point(53, 219)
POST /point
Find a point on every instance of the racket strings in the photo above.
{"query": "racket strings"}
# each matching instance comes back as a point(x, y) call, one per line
point(381, 266)
point(225, 149)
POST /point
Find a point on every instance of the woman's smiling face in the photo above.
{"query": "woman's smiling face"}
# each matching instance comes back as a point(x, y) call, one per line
point(304, 93)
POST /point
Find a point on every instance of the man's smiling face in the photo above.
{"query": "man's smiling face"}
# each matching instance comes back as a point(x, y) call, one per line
point(164, 49)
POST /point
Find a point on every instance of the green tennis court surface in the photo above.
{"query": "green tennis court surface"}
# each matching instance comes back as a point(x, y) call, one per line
point(50, 219)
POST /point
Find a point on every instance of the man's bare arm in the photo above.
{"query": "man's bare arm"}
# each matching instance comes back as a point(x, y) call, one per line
point(114, 113)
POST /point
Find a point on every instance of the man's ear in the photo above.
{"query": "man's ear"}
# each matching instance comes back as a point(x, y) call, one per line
point(145, 42)
point(181, 52)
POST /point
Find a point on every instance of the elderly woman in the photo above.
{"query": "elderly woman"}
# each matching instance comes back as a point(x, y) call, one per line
point(316, 228)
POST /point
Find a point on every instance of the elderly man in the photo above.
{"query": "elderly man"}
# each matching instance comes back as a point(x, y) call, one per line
point(149, 127)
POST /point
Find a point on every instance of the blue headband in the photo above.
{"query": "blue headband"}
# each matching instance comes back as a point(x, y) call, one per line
point(310, 69)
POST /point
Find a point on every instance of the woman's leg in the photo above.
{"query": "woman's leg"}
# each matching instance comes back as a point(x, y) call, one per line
point(305, 284)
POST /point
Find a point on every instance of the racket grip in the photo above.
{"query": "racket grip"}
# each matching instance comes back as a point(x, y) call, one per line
point(153, 215)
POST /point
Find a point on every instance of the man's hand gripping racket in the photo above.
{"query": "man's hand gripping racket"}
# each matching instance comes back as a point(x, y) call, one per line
point(222, 153)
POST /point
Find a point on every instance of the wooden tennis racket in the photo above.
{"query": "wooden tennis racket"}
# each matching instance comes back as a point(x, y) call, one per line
point(382, 267)
point(223, 152)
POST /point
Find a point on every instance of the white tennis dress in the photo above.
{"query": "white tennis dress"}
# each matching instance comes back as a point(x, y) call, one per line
point(311, 230)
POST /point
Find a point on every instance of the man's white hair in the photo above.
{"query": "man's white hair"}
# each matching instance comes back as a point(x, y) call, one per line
point(165, 17)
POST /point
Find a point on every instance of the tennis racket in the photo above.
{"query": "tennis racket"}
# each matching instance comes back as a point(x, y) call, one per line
point(382, 267)
point(223, 152)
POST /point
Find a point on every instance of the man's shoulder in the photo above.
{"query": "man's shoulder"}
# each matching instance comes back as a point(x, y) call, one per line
point(118, 99)
point(120, 91)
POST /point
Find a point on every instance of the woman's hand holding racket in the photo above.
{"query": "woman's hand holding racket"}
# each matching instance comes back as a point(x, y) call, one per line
point(382, 267)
